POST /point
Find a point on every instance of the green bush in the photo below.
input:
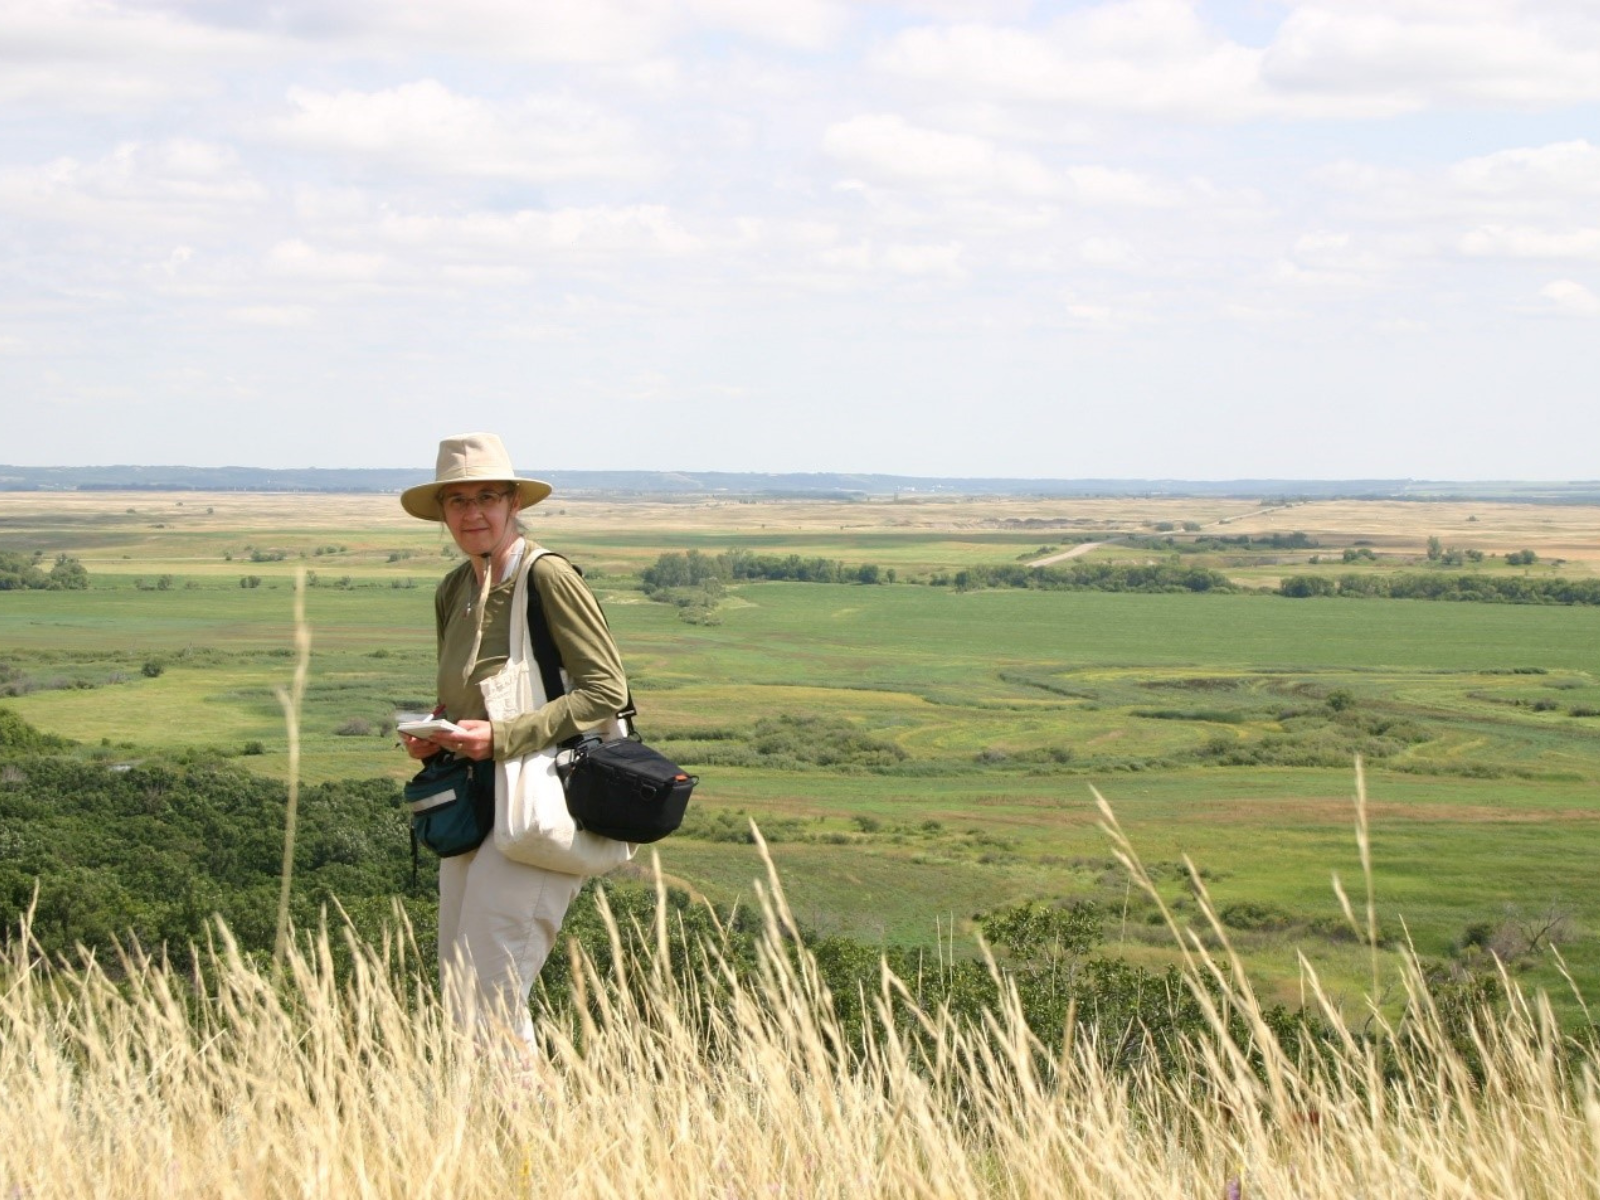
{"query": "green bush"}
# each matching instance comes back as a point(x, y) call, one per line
point(20, 572)
point(17, 736)
point(1249, 915)
point(1302, 586)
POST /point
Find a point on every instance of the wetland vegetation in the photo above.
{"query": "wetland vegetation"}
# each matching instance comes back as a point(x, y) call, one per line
point(917, 746)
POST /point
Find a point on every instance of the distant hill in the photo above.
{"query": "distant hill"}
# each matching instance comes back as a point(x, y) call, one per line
point(818, 485)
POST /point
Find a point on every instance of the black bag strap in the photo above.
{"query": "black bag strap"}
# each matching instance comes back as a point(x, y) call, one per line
point(545, 652)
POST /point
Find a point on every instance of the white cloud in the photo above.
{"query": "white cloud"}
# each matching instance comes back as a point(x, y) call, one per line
point(594, 31)
point(1330, 259)
point(1109, 186)
point(105, 57)
point(170, 183)
point(1150, 57)
point(1571, 299)
point(492, 275)
point(958, 10)
point(576, 233)
point(295, 259)
point(426, 128)
point(885, 148)
point(1406, 56)
point(1093, 316)
point(1105, 252)
point(1351, 58)
point(1255, 314)
point(35, 31)
point(1530, 243)
point(315, 205)
point(942, 261)
point(273, 316)
point(866, 260)
point(177, 262)
point(1338, 258)
point(806, 24)
point(1569, 169)
point(1520, 202)
point(91, 88)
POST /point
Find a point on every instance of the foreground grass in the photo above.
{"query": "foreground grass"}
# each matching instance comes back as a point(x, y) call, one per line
point(702, 1081)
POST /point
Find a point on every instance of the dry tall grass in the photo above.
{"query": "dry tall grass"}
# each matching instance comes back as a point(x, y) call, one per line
point(248, 1081)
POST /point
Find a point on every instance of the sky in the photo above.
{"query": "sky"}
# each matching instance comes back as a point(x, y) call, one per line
point(1191, 239)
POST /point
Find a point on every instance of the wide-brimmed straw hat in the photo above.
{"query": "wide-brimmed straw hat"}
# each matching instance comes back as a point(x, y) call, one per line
point(469, 458)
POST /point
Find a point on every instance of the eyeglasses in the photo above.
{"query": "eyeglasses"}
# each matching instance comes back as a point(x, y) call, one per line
point(459, 504)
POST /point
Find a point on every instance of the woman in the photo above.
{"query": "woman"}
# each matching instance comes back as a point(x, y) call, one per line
point(498, 919)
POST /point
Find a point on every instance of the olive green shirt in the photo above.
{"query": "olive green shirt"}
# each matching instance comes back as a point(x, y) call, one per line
point(597, 687)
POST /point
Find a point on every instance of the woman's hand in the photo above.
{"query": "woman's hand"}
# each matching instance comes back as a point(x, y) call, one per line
point(475, 741)
point(418, 748)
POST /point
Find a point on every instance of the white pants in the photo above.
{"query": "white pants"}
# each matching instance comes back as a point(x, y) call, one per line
point(498, 920)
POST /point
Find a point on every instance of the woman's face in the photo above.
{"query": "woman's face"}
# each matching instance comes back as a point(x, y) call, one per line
point(480, 516)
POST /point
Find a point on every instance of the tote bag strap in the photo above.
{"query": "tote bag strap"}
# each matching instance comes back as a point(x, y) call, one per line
point(523, 597)
point(544, 644)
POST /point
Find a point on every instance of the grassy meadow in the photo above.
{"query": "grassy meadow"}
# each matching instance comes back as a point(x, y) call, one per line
point(917, 754)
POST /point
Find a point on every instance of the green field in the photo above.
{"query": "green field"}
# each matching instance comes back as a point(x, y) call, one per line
point(916, 754)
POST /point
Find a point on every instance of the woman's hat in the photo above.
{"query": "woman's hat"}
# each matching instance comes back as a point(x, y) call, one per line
point(469, 458)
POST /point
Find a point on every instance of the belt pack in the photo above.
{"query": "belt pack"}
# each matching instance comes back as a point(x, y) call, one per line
point(452, 803)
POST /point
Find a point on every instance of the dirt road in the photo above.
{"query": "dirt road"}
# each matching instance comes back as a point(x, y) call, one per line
point(1071, 552)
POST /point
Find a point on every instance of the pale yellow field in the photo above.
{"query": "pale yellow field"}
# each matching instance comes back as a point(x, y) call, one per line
point(185, 529)
point(1571, 532)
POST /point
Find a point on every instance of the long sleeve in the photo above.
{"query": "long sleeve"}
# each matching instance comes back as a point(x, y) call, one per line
point(597, 687)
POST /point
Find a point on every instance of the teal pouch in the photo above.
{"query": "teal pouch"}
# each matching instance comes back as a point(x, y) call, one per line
point(451, 800)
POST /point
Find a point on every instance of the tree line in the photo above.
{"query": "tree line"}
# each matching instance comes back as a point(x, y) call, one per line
point(692, 577)
point(694, 569)
point(1411, 585)
point(1092, 577)
point(1212, 543)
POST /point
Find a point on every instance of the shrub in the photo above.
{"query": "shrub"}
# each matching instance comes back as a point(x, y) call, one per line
point(1248, 915)
point(23, 571)
point(1301, 586)
point(17, 735)
point(821, 741)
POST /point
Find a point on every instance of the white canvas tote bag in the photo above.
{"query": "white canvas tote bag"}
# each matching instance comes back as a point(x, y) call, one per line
point(531, 822)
